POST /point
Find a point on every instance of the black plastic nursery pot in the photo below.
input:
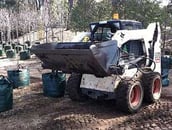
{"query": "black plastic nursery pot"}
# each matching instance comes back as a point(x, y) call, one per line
point(10, 53)
point(54, 84)
point(19, 77)
point(18, 48)
point(6, 94)
point(24, 55)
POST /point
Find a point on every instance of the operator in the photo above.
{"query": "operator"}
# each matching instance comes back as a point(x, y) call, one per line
point(86, 39)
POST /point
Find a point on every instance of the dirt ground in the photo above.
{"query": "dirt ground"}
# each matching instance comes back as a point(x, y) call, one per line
point(33, 111)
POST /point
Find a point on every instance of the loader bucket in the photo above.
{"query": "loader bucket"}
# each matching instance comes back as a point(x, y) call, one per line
point(86, 58)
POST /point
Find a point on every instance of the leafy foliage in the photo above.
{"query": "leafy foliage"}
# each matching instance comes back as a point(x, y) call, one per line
point(82, 14)
point(146, 11)
point(23, 14)
point(103, 10)
point(7, 3)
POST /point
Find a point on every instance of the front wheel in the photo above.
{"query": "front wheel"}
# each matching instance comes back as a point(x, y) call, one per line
point(73, 87)
point(129, 96)
point(152, 87)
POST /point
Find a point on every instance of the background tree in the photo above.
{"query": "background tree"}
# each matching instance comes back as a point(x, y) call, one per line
point(145, 11)
point(8, 5)
point(24, 16)
point(103, 10)
point(119, 7)
point(82, 14)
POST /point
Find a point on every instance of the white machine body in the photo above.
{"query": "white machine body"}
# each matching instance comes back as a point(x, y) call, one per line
point(108, 84)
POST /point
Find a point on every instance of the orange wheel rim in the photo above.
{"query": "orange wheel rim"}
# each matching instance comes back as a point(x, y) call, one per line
point(156, 87)
point(135, 96)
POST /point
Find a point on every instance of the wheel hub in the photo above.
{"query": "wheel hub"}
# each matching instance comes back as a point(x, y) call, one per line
point(135, 96)
point(156, 89)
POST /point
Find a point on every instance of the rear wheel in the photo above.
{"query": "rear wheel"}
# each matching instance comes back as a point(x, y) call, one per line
point(152, 87)
point(129, 96)
point(73, 87)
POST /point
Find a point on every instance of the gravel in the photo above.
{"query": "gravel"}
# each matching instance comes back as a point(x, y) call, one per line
point(33, 111)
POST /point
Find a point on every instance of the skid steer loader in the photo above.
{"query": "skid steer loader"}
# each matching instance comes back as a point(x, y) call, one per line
point(109, 62)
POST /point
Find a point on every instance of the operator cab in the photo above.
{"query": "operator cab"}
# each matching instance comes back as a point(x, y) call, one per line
point(104, 30)
point(131, 25)
point(133, 52)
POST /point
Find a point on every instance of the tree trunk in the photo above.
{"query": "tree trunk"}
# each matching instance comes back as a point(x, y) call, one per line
point(52, 33)
point(9, 26)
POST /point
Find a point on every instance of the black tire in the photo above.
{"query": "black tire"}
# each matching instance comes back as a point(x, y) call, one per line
point(129, 96)
point(152, 87)
point(73, 87)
